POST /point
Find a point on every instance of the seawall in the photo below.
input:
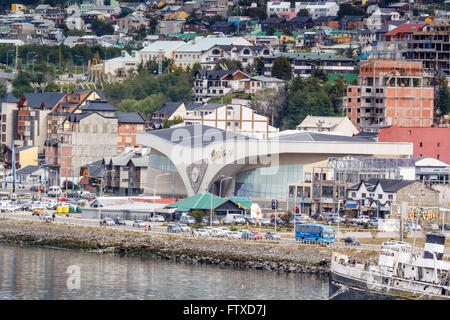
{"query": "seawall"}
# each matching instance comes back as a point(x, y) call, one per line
point(234, 253)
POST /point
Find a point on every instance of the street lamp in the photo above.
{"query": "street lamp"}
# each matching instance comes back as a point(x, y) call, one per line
point(7, 53)
point(32, 61)
point(154, 190)
point(28, 53)
point(77, 56)
point(220, 184)
point(101, 193)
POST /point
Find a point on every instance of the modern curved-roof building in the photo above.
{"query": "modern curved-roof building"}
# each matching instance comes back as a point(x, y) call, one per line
point(202, 158)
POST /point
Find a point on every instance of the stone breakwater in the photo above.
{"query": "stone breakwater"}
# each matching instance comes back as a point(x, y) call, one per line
point(234, 253)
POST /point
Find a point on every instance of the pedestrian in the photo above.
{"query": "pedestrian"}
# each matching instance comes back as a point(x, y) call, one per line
point(145, 228)
point(53, 216)
point(192, 231)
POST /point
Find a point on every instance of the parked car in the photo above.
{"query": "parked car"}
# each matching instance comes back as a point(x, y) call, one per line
point(184, 227)
point(157, 218)
point(234, 219)
point(361, 220)
point(216, 233)
point(393, 245)
point(234, 235)
point(201, 233)
point(318, 217)
point(352, 241)
point(247, 235)
point(413, 226)
point(272, 236)
point(278, 220)
point(187, 220)
point(107, 222)
point(173, 228)
point(250, 220)
point(38, 211)
point(258, 236)
point(373, 222)
point(45, 216)
point(119, 221)
point(139, 224)
point(264, 221)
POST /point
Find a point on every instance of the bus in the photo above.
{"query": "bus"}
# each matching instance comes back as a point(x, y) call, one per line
point(314, 233)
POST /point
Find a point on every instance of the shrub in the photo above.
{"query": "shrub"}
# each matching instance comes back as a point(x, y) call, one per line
point(198, 216)
point(366, 225)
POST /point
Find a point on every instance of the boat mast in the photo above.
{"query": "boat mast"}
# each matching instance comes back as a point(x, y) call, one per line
point(419, 210)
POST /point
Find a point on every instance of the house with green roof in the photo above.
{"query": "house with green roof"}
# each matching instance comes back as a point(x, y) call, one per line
point(207, 202)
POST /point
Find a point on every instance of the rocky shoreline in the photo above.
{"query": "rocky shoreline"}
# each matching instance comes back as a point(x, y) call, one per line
point(233, 253)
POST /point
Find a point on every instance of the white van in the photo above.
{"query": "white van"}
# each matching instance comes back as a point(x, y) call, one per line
point(54, 191)
point(234, 219)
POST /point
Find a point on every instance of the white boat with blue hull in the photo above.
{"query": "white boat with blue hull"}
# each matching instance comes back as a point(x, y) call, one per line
point(400, 274)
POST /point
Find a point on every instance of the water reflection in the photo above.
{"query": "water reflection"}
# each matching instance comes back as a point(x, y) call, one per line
point(40, 273)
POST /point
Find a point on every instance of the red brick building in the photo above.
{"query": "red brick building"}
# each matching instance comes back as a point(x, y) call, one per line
point(428, 142)
point(128, 124)
point(391, 93)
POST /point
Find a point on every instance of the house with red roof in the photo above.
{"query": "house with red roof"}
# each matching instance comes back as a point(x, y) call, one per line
point(404, 31)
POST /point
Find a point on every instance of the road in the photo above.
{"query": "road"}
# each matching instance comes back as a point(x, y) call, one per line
point(160, 228)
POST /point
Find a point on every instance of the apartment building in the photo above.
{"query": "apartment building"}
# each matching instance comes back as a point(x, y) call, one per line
point(211, 83)
point(319, 8)
point(129, 123)
point(246, 54)
point(304, 63)
point(8, 105)
point(277, 7)
point(231, 117)
point(431, 45)
point(390, 93)
point(192, 52)
point(31, 118)
point(72, 102)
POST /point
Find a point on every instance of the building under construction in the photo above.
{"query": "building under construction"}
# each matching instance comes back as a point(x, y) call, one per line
point(431, 46)
point(326, 191)
point(393, 93)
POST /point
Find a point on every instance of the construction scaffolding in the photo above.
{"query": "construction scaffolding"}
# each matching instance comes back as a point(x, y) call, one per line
point(330, 183)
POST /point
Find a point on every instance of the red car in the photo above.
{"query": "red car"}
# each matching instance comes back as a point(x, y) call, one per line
point(258, 235)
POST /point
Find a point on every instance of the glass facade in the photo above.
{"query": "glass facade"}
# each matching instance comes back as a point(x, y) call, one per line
point(161, 163)
point(262, 183)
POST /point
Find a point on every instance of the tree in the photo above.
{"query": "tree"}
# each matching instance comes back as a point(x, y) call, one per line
point(282, 68)
point(303, 13)
point(3, 90)
point(198, 216)
point(319, 73)
point(228, 64)
point(101, 28)
point(22, 84)
point(346, 9)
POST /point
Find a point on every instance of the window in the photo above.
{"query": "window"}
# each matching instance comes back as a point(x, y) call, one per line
point(437, 157)
point(420, 144)
point(363, 195)
point(307, 177)
point(349, 99)
point(438, 144)
point(380, 196)
point(353, 194)
point(390, 197)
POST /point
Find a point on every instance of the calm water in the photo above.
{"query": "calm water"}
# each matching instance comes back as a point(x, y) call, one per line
point(40, 273)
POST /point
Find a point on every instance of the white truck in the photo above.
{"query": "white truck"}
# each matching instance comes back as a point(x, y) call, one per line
point(234, 219)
